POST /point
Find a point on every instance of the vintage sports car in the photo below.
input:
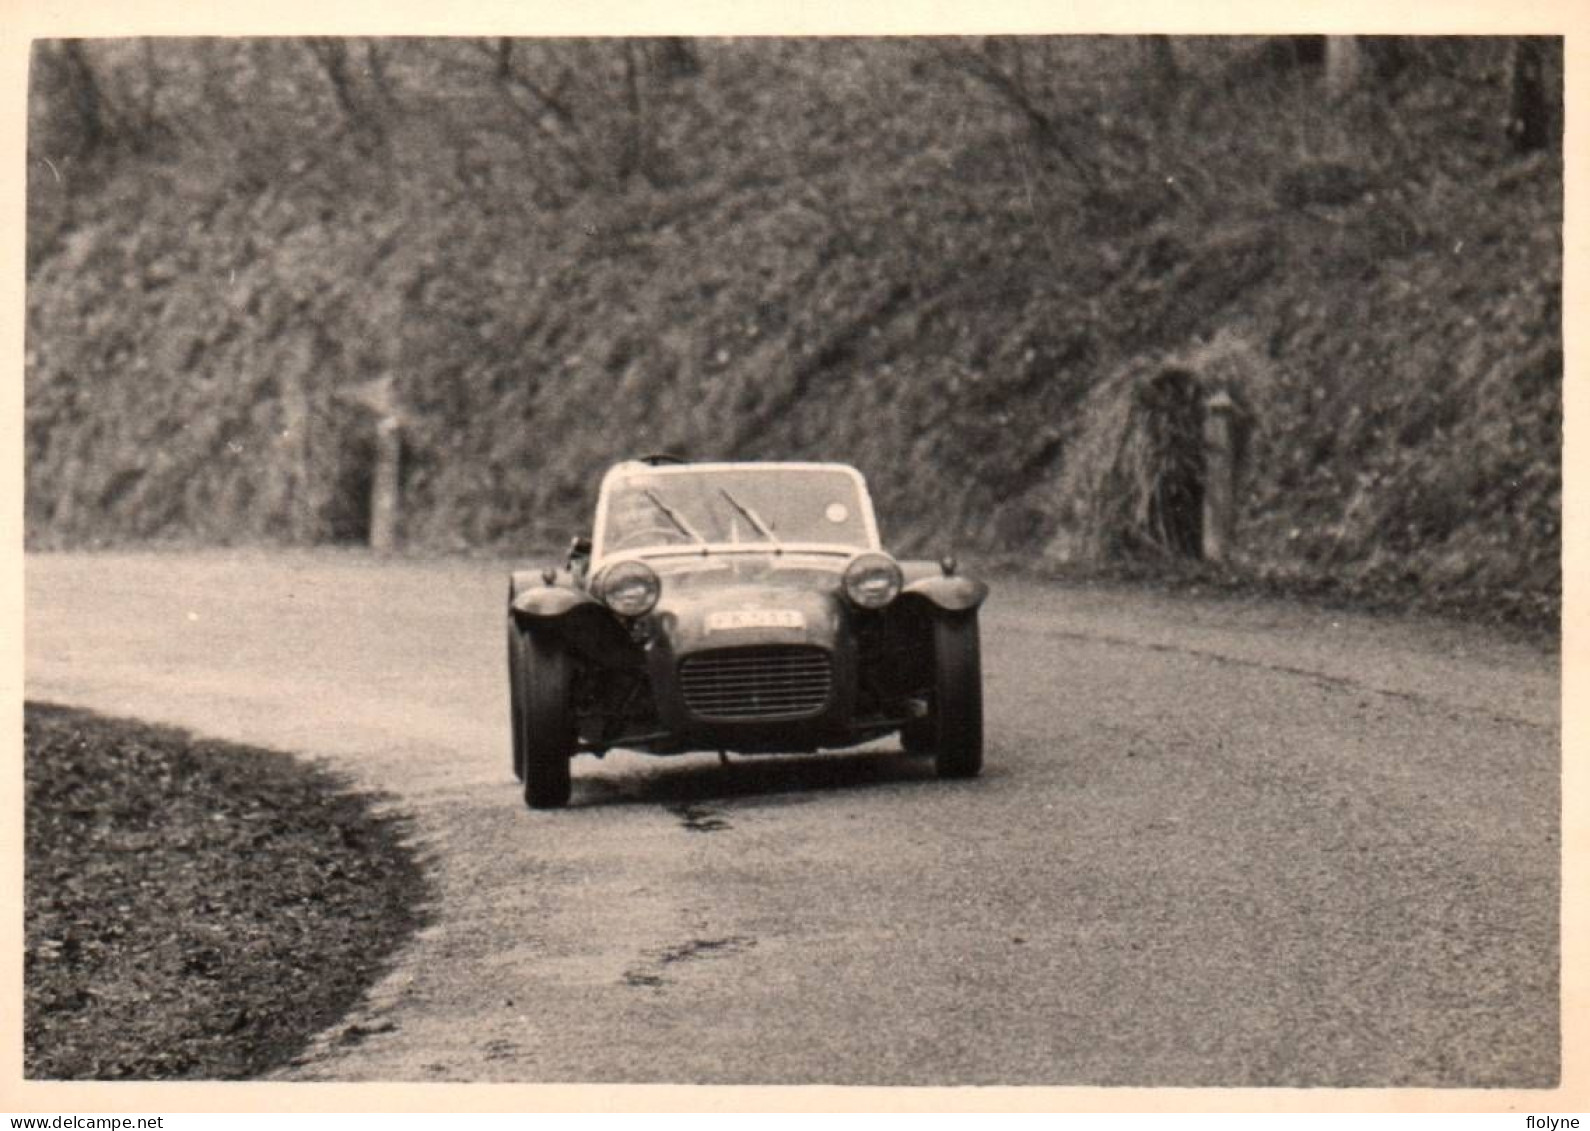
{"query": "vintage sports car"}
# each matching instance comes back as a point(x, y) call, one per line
point(738, 606)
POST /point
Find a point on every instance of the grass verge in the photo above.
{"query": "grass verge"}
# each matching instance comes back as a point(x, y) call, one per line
point(195, 909)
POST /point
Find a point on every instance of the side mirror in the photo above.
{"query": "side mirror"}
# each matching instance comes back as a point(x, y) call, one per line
point(579, 558)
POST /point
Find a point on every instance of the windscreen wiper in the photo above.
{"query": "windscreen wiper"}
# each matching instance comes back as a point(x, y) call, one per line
point(751, 516)
point(674, 517)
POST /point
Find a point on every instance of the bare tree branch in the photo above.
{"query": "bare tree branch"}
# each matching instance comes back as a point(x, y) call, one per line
point(375, 63)
point(508, 79)
point(1016, 95)
point(332, 55)
point(676, 57)
point(508, 72)
point(96, 114)
point(630, 158)
point(563, 149)
point(151, 90)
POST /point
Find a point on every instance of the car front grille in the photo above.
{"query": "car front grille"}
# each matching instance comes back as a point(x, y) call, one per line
point(779, 682)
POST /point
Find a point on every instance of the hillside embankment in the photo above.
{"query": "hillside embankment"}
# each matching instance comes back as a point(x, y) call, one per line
point(960, 265)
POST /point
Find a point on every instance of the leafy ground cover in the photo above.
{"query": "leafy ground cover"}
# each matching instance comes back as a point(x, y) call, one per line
point(194, 909)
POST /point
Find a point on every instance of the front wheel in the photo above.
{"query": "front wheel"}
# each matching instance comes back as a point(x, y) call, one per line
point(918, 735)
point(546, 720)
point(957, 696)
point(515, 706)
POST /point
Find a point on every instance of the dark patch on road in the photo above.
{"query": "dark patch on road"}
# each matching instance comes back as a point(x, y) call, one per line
point(759, 781)
point(687, 951)
point(696, 948)
point(701, 818)
point(501, 1050)
point(357, 1034)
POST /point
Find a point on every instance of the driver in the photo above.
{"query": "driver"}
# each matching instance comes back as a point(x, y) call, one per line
point(630, 512)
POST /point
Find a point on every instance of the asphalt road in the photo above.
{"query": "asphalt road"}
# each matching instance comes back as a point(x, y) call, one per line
point(1217, 843)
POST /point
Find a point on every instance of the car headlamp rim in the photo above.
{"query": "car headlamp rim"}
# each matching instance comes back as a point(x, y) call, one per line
point(872, 580)
point(630, 588)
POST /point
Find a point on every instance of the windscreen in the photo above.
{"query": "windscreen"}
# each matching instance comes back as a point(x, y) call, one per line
point(741, 505)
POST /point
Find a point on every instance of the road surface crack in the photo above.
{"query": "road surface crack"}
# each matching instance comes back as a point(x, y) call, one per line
point(688, 951)
point(1335, 682)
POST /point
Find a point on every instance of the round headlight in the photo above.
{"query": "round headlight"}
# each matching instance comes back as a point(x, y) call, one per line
point(872, 580)
point(630, 588)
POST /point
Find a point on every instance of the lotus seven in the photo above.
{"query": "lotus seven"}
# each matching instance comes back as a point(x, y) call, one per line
point(744, 607)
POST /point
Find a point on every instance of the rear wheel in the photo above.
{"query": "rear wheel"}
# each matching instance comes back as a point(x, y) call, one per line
point(957, 697)
point(546, 720)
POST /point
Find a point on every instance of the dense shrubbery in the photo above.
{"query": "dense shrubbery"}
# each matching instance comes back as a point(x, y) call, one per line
point(929, 257)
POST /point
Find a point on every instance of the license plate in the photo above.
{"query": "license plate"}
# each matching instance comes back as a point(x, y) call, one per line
point(731, 619)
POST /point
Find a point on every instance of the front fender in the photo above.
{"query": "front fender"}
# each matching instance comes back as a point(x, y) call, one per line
point(539, 601)
point(950, 594)
point(573, 616)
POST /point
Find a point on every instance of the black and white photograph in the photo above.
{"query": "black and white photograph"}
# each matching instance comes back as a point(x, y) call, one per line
point(996, 559)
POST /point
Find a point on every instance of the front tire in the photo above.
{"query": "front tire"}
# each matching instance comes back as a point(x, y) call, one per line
point(546, 720)
point(515, 702)
point(957, 696)
point(918, 736)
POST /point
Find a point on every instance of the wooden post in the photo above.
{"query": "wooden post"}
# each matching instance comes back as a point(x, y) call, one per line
point(384, 484)
point(1220, 478)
